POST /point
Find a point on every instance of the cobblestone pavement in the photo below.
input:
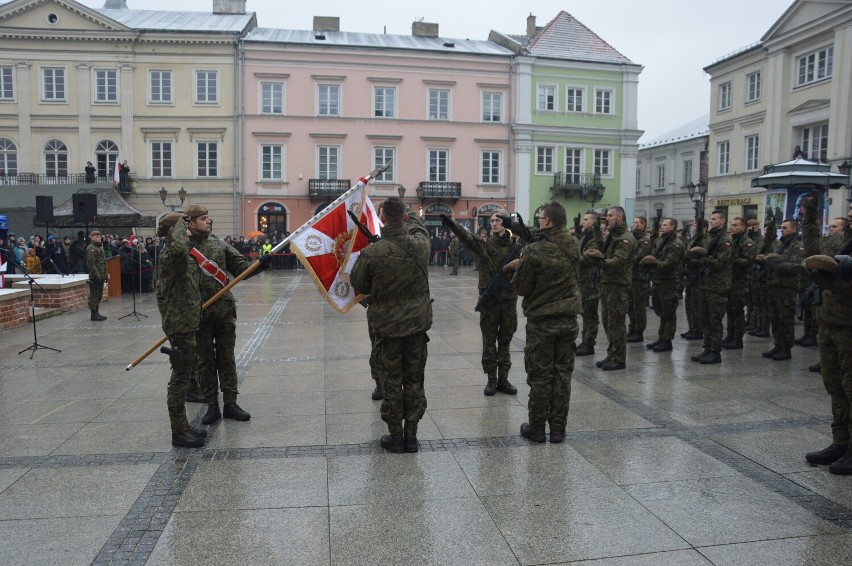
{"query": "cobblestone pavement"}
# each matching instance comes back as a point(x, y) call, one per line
point(666, 463)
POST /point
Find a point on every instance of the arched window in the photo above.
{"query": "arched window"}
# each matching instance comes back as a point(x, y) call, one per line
point(55, 159)
point(272, 217)
point(8, 158)
point(106, 154)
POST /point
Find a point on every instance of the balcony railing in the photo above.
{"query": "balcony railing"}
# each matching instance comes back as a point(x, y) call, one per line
point(40, 179)
point(439, 190)
point(327, 188)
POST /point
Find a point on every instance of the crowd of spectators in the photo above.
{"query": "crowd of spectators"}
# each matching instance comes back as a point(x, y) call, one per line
point(441, 248)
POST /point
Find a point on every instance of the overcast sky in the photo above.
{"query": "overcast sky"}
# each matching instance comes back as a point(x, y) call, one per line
point(673, 39)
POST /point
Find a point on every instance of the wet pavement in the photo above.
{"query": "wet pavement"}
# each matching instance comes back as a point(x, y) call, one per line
point(666, 463)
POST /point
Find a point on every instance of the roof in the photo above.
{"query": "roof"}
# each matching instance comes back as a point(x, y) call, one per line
point(375, 40)
point(800, 172)
point(691, 130)
point(162, 20)
point(113, 211)
point(564, 37)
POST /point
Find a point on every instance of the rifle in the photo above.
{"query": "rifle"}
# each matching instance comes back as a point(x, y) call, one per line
point(372, 238)
point(578, 229)
point(499, 280)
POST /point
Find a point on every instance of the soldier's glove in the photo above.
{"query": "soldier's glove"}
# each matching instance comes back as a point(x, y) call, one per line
point(508, 222)
point(820, 263)
point(593, 254)
point(445, 220)
point(773, 258)
point(760, 258)
point(698, 251)
point(649, 261)
point(265, 260)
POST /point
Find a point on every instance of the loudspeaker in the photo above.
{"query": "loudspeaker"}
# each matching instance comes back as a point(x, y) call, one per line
point(44, 209)
point(85, 207)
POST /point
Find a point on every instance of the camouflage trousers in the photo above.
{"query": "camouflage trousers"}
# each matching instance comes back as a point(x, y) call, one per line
point(217, 366)
point(591, 319)
point(374, 369)
point(96, 293)
point(615, 302)
point(664, 298)
point(454, 262)
point(402, 362)
point(498, 321)
point(782, 315)
point(638, 311)
point(183, 363)
point(713, 306)
point(761, 307)
point(549, 363)
point(810, 315)
point(750, 319)
point(835, 356)
point(735, 314)
point(692, 305)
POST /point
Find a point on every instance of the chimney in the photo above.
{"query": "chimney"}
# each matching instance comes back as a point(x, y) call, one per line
point(115, 5)
point(424, 29)
point(229, 7)
point(531, 29)
point(326, 23)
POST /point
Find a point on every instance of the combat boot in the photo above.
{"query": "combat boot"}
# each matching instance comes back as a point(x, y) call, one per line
point(503, 385)
point(652, 345)
point(199, 432)
point(533, 433)
point(212, 415)
point(491, 386)
point(410, 434)
point(687, 333)
point(816, 368)
point(557, 435)
point(733, 344)
point(808, 341)
point(698, 357)
point(711, 358)
point(97, 316)
point(635, 337)
point(827, 455)
point(378, 394)
point(186, 439)
point(663, 346)
point(234, 412)
point(782, 354)
point(585, 350)
point(761, 334)
point(393, 443)
point(613, 365)
point(695, 335)
point(769, 353)
point(600, 363)
point(843, 466)
point(194, 396)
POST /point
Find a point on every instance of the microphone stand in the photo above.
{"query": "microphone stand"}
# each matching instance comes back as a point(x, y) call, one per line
point(133, 288)
point(55, 267)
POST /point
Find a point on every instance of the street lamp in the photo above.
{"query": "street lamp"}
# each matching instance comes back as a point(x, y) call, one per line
point(164, 195)
point(696, 195)
point(401, 191)
point(594, 193)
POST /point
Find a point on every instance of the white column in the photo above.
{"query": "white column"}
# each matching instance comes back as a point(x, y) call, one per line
point(128, 148)
point(25, 134)
point(84, 113)
point(523, 174)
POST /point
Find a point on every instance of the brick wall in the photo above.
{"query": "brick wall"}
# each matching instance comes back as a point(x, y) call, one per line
point(70, 299)
point(14, 312)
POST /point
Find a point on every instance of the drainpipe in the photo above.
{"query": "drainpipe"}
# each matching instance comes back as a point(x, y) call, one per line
point(510, 115)
point(242, 127)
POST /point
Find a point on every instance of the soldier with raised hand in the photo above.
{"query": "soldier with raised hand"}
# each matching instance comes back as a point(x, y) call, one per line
point(96, 268)
point(394, 273)
point(783, 287)
point(665, 266)
point(743, 253)
point(546, 277)
point(588, 278)
point(714, 285)
point(616, 264)
point(640, 288)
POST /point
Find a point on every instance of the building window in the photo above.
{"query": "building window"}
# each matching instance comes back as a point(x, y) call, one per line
point(573, 165)
point(382, 155)
point(439, 165)
point(106, 154)
point(272, 98)
point(106, 86)
point(328, 161)
point(271, 162)
point(750, 211)
point(752, 160)
point(439, 104)
point(546, 97)
point(724, 96)
point(603, 101)
point(687, 173)
point(724, 157)
point(207, 154)
point(603, 158)
point(384, 102)
point(638, 181)
point(490, 168)
point(544, 159)
point(815, 66)
point(8, 157)
point(55, 159)
point(161, 87)
point(574, 99)
point(7, 91)
point(328, 98)
point(815, 142)
point(161, 159)
point(661, 176)
point(492, 107)
point(53, 84)
point(753, 87)
point(206, 91)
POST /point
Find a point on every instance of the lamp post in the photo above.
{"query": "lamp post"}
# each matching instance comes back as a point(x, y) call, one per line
point(401, 191)
point(164, 195)
point(696, 195)
point(594, 193)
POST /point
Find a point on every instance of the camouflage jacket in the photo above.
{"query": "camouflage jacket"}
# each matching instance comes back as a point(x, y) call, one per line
point(547, 275)
point(96, 262)
point(178, 291)
point(743, 254)
point(455, 246)
point(786, 273)
point(394, 272)
point(617, 268)
point(669, 253)
point(643, 248)
point(491, 253)
point(588, 270)
point(228, 259)
point(836, 307)
point(716, 265)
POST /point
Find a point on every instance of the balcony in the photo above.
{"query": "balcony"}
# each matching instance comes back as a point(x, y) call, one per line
point(584, 186)
point(439, 190)
point(37, 179)
point(324, 189)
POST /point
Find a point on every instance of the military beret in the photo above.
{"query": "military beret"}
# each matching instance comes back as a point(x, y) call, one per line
point(821, 263)
point(167, 222)
point(752, 222)
point(94, 233)
point(195, 210)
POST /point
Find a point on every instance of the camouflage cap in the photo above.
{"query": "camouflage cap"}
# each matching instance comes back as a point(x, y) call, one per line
point(194, 211)
point(94, 233)
point(167, 222)
point(752, 222)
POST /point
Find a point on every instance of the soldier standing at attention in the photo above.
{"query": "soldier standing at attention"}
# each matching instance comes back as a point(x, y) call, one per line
point(641, 287)
point(588, 279)
point(616, 261)
point(179, 302)
point(714, 286)
point(753, 233)
point(760, 278)
point(692, 298)
point(96, 267)
point(665, 266)
point(394, 273)
point(454, 255)
point(547, 279)
point(783, 288)
point(498, 318)
point(744, 252)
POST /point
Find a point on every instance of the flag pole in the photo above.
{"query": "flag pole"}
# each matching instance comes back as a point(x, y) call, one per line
point(255, 264)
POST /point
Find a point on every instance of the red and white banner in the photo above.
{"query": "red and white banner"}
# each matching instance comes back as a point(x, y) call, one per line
point(328, 248)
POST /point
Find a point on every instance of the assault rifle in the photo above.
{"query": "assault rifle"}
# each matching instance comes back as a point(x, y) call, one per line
point(372, 238)
point(499, 280)
point(578, 229)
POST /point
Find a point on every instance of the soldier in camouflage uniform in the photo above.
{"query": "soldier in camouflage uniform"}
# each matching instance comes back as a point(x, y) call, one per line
point(616, 261)
point(665, 267)
point(588, 276)
point(394, 272)
point(714, 285)
point(692, 298)
point(498, 317)
point(640, 288)
point(179, 302)
point(217, 335)
point(455, 248)
point(547, 279)
point(760, 278)
point(96, 267)
point(744, 252)
point(753, 233)
point(783, 288)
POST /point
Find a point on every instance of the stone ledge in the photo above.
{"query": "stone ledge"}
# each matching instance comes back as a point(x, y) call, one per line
point(9, 294)
point(48, 281)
